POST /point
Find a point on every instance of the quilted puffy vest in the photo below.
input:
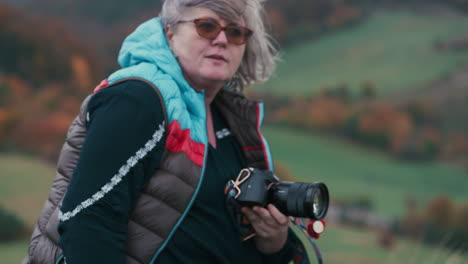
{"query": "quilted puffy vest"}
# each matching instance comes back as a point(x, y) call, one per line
point(169, 192)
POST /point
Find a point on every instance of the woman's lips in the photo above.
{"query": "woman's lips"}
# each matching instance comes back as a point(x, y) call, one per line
point(217, 58)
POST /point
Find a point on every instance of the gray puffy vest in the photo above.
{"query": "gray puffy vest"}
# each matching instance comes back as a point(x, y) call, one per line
point(169, 191)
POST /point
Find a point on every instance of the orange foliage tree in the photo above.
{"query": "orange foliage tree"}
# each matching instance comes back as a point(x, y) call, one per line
point(455, 145)
point(439, 210)
point(326, 113)
point(384, 126)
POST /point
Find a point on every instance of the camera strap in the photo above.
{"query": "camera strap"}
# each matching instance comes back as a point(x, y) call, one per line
point(313, 230)
point(231, 190)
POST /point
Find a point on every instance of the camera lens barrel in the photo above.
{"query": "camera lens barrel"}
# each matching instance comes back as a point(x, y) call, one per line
point(309, 200)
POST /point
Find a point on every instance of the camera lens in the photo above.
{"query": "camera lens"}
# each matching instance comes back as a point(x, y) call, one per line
point(300, 199)
point(317, 205)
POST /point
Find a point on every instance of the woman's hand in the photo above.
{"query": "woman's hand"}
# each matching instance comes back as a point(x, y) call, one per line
point(271, 227)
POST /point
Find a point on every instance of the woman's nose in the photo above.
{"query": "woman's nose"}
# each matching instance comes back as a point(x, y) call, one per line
point(221, 38)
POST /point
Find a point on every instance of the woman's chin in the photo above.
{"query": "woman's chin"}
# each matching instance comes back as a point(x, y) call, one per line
point(216, 78)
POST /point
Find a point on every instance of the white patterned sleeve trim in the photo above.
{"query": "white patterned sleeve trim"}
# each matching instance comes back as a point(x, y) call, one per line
point(123, 171)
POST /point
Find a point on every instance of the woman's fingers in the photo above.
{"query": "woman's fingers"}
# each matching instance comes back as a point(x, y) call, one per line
point(280, 218)
point(266, 222)
point(270, 225)
point(256, 220)
point(270, 215)
point(265, 216)
point(250, 214)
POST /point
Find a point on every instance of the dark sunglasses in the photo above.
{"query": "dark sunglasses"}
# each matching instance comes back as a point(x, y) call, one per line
point(209, 28)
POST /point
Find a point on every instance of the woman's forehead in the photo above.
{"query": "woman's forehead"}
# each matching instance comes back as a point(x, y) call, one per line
point(202, 12)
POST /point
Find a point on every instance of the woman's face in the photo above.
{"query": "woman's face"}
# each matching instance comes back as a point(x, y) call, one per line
point(205, 62)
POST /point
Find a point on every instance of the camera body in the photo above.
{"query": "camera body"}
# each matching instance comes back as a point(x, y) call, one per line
point(261, 187)
point(255, 191)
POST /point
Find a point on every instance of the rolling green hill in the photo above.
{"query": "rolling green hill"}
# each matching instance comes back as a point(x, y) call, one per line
point(395, 50)
point(13, 252)
point(349, 170)
point(24, 187)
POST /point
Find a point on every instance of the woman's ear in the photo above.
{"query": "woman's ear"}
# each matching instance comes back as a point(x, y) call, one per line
point(169, 33)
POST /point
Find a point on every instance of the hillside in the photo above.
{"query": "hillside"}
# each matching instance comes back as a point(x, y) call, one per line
point(104, 24)
point(386, 48)
point(51, 53)
point(45, 72)
point(352, 171)
point(446, 97)
point(25, 185)
point(394, 50)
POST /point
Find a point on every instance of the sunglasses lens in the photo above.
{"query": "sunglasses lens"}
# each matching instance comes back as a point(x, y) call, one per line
point(235, 35)
point(207, 29)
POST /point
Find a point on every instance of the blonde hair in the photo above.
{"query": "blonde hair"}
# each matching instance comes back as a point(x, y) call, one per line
point(260, 56)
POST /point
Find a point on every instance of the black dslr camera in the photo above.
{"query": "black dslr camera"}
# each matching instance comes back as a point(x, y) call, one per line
point(260, 187)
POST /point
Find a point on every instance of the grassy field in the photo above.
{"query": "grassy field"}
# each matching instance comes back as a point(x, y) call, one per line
point(395, 50)
point(338, 245)
point(349, 170)
point(24, 185)
point(13, 252)
point(343, 245)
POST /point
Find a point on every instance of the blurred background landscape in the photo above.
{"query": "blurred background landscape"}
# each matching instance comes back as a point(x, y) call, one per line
point(370, 97)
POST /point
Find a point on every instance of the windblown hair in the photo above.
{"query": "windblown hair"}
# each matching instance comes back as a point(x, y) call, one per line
point(258, 63)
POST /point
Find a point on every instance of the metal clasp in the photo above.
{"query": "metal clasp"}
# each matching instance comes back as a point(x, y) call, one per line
point(241, 179)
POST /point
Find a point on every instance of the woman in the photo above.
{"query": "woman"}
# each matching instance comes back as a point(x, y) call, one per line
point(163, 137)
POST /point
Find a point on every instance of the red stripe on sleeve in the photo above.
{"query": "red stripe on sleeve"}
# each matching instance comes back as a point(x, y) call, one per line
point(252, 148)
point(178, 140)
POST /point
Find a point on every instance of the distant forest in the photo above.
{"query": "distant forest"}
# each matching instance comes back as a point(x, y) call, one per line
point(55, 51)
